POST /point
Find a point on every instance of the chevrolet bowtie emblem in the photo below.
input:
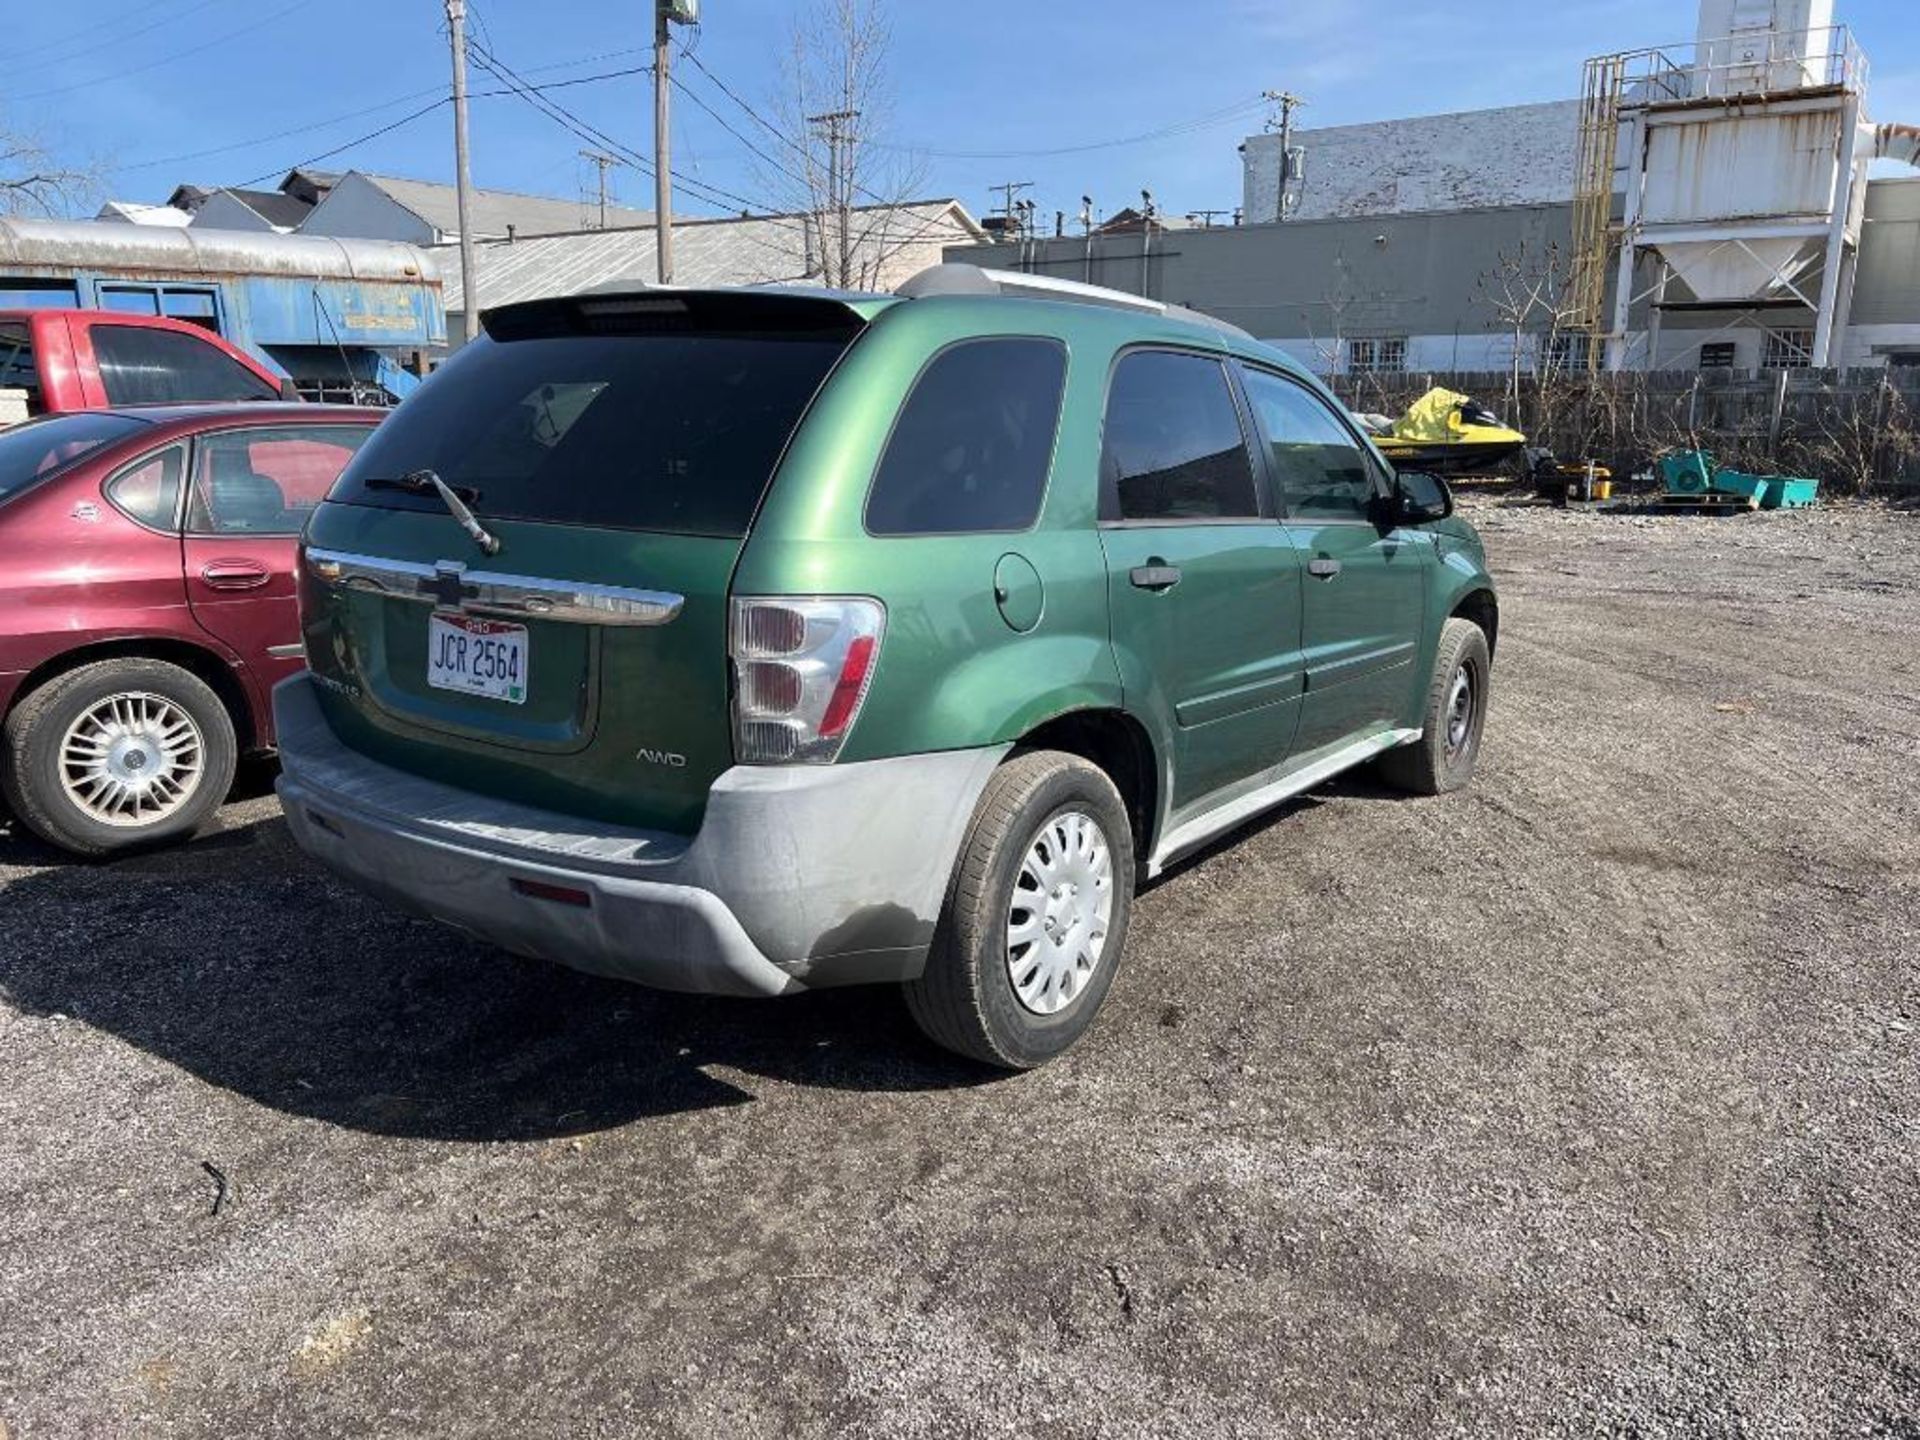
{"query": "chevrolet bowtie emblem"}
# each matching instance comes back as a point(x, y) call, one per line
point(448, 587)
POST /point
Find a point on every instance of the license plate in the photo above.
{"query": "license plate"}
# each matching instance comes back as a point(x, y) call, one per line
point(478, 657)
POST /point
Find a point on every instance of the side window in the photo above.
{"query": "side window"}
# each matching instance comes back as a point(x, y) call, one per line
point(974, 441)
point(148, 490)
point(139, 366)
point(266, 482)
point(18, 369)
point(1173, 445)
point(1320, 467)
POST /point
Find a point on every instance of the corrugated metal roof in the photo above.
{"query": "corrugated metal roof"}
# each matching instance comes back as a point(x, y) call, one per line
point(748, 251)
point(494, 210)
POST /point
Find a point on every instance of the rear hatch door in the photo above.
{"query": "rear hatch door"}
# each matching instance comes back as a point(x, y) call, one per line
point(614, 450)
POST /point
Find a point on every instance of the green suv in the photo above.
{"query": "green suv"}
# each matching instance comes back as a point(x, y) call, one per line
point(748, 641)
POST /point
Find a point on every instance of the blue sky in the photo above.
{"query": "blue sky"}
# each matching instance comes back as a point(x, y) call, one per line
point(137, 90)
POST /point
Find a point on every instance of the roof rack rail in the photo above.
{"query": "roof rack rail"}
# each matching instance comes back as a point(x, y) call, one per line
point(959, 279)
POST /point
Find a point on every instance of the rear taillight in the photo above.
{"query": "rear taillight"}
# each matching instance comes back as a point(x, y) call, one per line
point(800, 671)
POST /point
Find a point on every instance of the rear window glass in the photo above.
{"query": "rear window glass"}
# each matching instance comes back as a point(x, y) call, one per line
point(41, 448)
point(19, 370)
point(140, 366)
point(971, 450)
point(669, 432)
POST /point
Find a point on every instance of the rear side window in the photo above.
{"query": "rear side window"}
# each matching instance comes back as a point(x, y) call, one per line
point(267, 481)
point(40, 448)
point(1321, 468)
point(974, 441)
point(1174, 450)
point(667, 432)
point(149, 489)
point(19, 370)
point(139, 366)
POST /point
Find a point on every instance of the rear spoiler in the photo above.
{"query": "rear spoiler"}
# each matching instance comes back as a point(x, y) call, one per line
point(628, 311)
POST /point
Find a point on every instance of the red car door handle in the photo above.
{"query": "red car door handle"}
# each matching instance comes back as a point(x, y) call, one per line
point(234, 574)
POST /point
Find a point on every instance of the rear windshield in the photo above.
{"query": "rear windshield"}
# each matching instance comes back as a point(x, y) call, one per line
point(41, 448)
point(667, 432)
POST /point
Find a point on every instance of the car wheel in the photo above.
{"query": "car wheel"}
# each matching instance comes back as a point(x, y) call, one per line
point(117, 754)
point(1442, 759)
point(1035, 920)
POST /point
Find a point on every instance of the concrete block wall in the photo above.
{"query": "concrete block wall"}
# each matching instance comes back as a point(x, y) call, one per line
point(1515, 155)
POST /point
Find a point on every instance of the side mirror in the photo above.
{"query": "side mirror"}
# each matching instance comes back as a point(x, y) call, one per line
point(1419, 497)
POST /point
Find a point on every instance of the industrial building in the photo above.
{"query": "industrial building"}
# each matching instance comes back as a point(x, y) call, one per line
point(1724, 203)
point(892, 242)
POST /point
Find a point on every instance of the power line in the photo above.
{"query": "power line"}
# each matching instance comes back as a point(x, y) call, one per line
point(553, 110)
point(280, 14)
point(1183, 127)
point(92, 32)
point(719, 120)
point(361, 140)
point(389, 104)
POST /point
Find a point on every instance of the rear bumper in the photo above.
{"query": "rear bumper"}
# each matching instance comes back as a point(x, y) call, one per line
point(800, 876)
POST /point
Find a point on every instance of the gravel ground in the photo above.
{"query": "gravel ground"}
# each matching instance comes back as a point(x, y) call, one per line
point(1587, 1101)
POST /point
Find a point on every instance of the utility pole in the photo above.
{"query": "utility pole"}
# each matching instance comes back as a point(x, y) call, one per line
point(604, 163)
point(1086, 226)
point(839, 186)
point(1288, 103)
point(1007, 208)
point(1148, 213)
point(462, 174)
point(662, 175)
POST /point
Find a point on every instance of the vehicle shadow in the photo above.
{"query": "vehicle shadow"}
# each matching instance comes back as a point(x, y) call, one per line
point(239, 961)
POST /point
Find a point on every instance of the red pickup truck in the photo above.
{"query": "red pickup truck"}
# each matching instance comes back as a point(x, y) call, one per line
point(89, 359)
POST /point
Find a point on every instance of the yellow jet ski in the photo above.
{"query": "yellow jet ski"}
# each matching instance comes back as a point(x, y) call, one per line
point(1447, 433)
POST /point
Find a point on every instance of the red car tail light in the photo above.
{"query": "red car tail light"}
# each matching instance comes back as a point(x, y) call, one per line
point(801, 670)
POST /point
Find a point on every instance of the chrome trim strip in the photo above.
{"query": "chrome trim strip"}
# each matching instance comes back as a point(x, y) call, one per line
point(1192, 834)
point(449, 585)
point(292, 650)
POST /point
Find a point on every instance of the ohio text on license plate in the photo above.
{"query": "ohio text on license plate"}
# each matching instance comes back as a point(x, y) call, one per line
point(478, 657)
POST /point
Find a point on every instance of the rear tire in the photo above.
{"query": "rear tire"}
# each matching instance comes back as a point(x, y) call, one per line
point(1442, 759)
point(117, 755)
point(1035, 921)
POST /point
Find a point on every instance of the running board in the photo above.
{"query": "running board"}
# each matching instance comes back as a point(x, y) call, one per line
point(1183, 839)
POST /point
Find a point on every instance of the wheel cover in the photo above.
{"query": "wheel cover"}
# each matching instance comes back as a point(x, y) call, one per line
point(132, 759)
point(1460, 708)
point(1061, 909)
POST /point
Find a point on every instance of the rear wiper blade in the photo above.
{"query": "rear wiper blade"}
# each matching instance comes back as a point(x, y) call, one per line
point(457, 501)
point(419, 482)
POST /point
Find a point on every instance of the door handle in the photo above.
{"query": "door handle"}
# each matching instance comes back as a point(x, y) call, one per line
point(1324, 568)
point(1155, 575)
point(234, 574)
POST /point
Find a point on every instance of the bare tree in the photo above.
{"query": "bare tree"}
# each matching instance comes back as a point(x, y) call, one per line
point(850, 186)
point(33, 182)
point(1529, 291)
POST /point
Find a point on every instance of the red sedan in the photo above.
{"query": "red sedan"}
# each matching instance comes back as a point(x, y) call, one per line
point(147, 606)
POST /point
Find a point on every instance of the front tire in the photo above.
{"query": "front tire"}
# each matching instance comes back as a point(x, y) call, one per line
point(1035, 920)
point(1442, 759)
point(116, 755)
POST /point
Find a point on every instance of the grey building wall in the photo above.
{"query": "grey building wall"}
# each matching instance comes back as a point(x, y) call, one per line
point(1306, 282)
point(1419, 277)
point(357, 207)
point(1515, 155)
point(1887, 291)
point(222, 212)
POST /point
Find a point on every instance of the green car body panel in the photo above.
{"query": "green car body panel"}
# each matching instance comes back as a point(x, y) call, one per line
point(1251, 669)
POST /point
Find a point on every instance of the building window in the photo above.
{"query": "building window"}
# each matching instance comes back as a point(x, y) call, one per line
point(1380, 355)
point(1787, 350)
point(1570, 351)
point(1717, 356)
